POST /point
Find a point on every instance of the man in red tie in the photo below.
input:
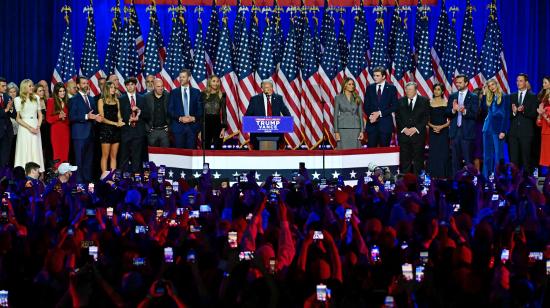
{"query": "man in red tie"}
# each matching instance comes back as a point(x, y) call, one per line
point(266, 104)
point(6, 129)
point(132, 135)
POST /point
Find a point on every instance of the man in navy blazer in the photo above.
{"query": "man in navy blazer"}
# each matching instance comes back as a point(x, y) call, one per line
point(463, 112)
point(7, 112)
point(380, 104)
point(83, 115)
point(185, 110)
point(266, 104)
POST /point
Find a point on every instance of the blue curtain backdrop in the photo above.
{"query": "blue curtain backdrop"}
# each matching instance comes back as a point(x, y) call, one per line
point(31, 30)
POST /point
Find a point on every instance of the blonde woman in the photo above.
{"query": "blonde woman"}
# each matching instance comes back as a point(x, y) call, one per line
point(28, 147)
point(348, 117)
point(496, 125)
point(214, 113)
point(109, 129)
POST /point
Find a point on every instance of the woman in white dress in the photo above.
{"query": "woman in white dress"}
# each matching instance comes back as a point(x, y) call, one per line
point(28, 147)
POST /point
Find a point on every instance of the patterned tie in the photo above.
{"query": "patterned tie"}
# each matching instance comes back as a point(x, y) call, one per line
point(185, 102)
point(379, 92)
point(132, 106)
point(269, 110)
point(460, 104)
point(87, 101)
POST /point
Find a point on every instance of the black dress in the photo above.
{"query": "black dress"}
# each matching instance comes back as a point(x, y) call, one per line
point(214, 119)
point(438, 159)
point(109, 133)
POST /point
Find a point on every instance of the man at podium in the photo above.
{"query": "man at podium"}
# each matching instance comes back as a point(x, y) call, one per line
point(266, 104)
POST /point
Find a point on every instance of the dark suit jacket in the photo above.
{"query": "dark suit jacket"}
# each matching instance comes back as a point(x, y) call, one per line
point(418, 118)
point(498, 116)
point(523, 123)
point(468, 120)
point(175, 110)
point(78, 109)
point(387, 105)
point(127, 131)
point(256, 106)
point(150, 106)
point(6, 128)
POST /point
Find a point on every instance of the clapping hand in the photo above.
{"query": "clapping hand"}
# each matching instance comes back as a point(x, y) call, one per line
point(374, 116)
point(455, 106)
point(62, 115)
point(540, 110)
point(514, 108)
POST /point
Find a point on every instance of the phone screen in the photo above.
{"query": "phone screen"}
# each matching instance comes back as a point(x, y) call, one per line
point(110, 212)
point(232, 239)
point(4, 298)
point(318, 235)
point(375, 254)
point(168, 255)
point(407, 271)
point(424, 257)
point(419, 273)
point(505, 255)
point(348, 214)
point(321, 292)
point(139, 261)
point(93, 251)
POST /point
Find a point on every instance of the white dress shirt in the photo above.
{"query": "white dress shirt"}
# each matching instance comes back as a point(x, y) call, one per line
point(265, 104)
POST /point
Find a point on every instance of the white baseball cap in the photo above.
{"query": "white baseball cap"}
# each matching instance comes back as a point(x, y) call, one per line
point(66, 167)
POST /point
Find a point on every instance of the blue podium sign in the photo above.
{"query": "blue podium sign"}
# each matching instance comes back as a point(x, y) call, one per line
point(258, 125)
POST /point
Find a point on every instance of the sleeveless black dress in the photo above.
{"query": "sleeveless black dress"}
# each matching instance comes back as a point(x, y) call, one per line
point(109, 133)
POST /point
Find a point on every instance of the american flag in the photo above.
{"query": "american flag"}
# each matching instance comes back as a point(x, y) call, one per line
point(449, 62)
point(288, 84)
point(493, 63)
point(438, 48)
point(89, 63)
point(199, 77)
point(358, 66)
point(139, 45)
point(395, 28)
point(379, 52)
point(111, 56)
point(244, 69)
point(402, 61)
point(468, 64)
point(424, 74)
point(266, 67)
point(223, 67)
point(175, 59)
point(317, 40)
point(255, 46)
point(155, 52)
point(277, 34)
point(212, 38)
point(128, 64)
point(238, 27)
point(312, 113)
point(328, 74)
point(65, 68)
point(343, 51)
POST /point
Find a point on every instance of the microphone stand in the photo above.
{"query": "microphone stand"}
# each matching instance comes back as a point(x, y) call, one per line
point(324, 139)
point(203, 133)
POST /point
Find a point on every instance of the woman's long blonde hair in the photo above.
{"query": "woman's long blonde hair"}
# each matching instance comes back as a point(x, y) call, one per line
point(24, 93)
point(489, 94)
point(354, 95)
point(106, 93)
point(208, 89)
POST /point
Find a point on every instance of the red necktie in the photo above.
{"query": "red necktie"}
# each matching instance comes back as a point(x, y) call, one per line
point(269, 111)
point(1, 101)
point(379, 92)
point(132, 106)
point(87, 101)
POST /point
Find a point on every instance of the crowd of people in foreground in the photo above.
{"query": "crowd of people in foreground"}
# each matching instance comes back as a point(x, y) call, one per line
point(138, 240)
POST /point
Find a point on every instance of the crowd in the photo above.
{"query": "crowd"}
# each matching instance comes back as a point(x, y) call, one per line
point(132, 240)
point(477, 127)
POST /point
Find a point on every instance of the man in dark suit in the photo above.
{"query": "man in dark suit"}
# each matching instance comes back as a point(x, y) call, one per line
point(522, 126)
point(462, 112)
point(7, 112)
point(412, 118)
point(380, 104)
point(266, 104)
point(83, 114)
point(132, 134)
point(156, 103)
point(185, 110)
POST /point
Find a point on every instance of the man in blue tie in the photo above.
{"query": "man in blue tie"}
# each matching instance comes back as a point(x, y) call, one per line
point(185, 109)
point(83, 115)
point(463, 113)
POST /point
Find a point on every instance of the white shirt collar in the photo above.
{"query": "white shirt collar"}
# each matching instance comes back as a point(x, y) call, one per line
point(414, 98)
point(383, 84)
point(82, 93)
point(464, 91)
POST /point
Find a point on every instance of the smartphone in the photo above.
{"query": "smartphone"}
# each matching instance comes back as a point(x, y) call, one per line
point(191, 199)
point(191, 256)
point(246, 255)
point(159, 213)
point(274, 196)
point(109, 212)
point(205, 168)
point(348, 214)
point(232, 239)
point(169, 189)
point(179, 211)
point(535, 256)
point(90, 212)
point(505, 255)
point(375, 254)
point(318, 235)
point(160, 288)
point(162, 170)
point(194, 229)
point(323, 184)
point(495, 197)
point(424, 191)
point(91, 188)
point(321, 292)
point(4, 298)
point(175, 186)
point(86, 244)
point(70, 231)
point(456, 207)
point(389, 302)
point(205, 208)
point(137, 178)
point(93, 251)
point(141, 229)
point(194, 214)
point(4, 211)
point(168, 255)
point(424, 256)
point(79, 188)
point(407, 271)
point(427, 181)
point(272, 265)
point(419, 273)
point(547, 267)
point(126, 215)
point(139, 261)
point(172, 223)
point(277, 182)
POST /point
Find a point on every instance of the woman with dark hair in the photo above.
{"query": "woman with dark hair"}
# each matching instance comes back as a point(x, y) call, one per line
point(57, 116)
point(480, 120)
point(543, 120)
point(348, 117)
point(215, 117)
point(438, 157)
point(42, 92)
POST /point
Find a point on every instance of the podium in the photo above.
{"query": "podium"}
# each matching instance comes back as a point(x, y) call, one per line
point(267, 129)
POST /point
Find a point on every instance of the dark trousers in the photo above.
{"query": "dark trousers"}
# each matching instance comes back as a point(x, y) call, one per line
point(212, 129)
point(5, 149)
point(84, 155)
point(158, 138)
point(411, 154)
point(520, 151)
point(378, 139)
point(185, 139)
point(131, 152)
point(461, 150)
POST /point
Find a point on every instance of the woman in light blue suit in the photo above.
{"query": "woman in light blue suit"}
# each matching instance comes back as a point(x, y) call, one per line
point(496, 125)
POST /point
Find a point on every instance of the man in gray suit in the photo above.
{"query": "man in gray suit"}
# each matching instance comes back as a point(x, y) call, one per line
point(156, 102)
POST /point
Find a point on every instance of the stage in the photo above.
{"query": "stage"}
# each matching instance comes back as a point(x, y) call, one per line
point(226, 164)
